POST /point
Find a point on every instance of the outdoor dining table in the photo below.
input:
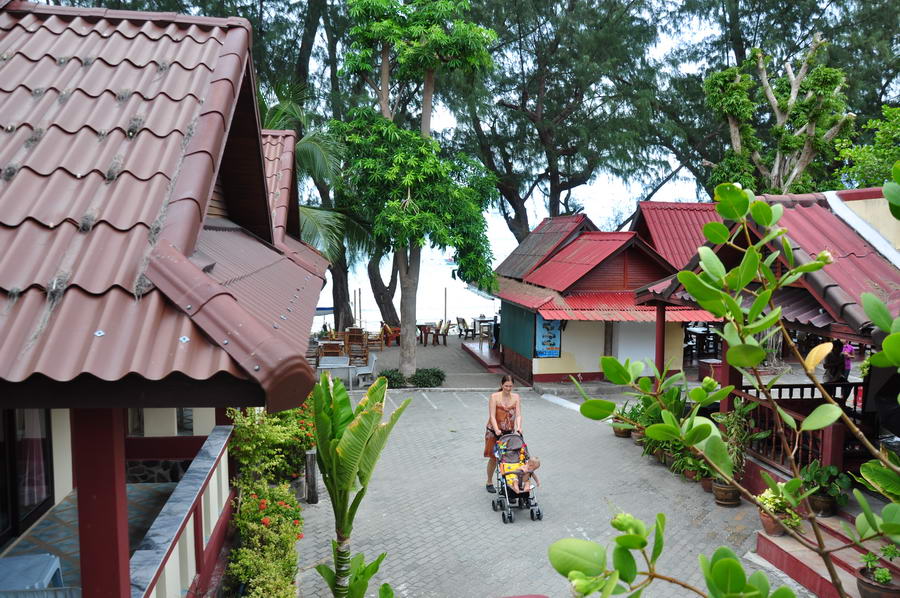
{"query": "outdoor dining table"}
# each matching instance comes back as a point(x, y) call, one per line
point(480, 325)
point(424, 331)
point(338, 363)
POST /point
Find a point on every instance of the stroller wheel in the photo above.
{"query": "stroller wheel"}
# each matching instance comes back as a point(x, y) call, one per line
point(511, 516)
point(502, 504)
point(533, 514)
point(540, 515)
point(503, 517)
point(494, 505)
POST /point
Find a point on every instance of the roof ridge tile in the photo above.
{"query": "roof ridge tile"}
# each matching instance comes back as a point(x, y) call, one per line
point(126, 15)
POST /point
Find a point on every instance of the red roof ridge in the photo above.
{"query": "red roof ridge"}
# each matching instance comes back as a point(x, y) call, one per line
point(283, 374)
point(127, 15)
point(857, 194)
point(182, 212)
point(681, 205)
point(792, 199)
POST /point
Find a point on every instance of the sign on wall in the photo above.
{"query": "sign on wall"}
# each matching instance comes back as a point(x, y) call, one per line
point(547, 337)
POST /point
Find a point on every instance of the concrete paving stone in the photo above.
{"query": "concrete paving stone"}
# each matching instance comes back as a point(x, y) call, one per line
point(427, 508)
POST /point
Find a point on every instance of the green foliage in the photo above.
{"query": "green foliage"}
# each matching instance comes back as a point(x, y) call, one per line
point(394, 378)
point(268, 523)
point(350, 442)
point(779, 505)
point(880, 574)
point(587, 567)
point(398, 181)
point(737, 432)
point(270, 448)
point(869, 164)
point(789, 149)
point(828, 481)
point(427, 378)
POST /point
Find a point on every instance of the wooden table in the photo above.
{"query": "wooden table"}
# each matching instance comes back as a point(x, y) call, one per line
point(331, 364)
point(480, 325)
point(425, 329)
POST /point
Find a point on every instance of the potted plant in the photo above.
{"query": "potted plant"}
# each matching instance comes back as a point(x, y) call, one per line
point(704, 475)
point(688, 465)
point(774, 500)
point(737, 432)
point(621, 416)
point(873, 581)
point(831, 485)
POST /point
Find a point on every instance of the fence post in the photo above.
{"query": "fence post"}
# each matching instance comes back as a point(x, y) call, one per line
point(833, 445)
point(312, 487)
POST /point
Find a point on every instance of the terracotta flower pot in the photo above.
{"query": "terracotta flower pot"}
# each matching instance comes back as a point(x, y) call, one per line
point(770, 524)
point(869, 588)
point(669, 459)
point(637, 436)
point(822, 505)
point(706, 484)
point(726, 495)
point(660, 455)
point(622, 432)
point(690, 474)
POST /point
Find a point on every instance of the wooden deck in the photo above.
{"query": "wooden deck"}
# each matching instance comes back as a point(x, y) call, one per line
point(487, 357)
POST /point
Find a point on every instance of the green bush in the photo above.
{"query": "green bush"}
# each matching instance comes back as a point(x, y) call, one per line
point(269, 523)
point(271, 447)
point(394, 378)
point(427, 378)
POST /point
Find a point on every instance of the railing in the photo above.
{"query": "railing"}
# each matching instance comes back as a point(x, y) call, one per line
point(178, 551)
point(830, 445)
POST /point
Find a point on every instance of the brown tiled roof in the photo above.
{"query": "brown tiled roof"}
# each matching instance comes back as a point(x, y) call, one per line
point(541, 243)
point(278, 152)
point(113, 127)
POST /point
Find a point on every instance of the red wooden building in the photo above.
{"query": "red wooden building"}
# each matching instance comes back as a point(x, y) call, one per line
point(145, 270)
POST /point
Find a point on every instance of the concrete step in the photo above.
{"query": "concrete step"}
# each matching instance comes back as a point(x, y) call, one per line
point(803, 565)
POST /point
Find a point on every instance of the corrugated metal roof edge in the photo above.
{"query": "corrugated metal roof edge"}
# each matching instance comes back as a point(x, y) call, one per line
point(580, 220)
point(283, 374)
point(125, 15)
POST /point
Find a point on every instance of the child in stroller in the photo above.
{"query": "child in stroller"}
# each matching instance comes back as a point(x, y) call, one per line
point(514, 488)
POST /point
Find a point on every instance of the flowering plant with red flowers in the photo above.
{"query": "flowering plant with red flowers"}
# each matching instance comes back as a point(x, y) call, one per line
point(268, 522)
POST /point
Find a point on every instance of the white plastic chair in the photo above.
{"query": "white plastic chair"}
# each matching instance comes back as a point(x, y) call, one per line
point(367, 370)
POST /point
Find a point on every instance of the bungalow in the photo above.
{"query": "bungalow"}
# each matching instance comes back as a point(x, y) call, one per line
point(145, 267)
point(567, 297)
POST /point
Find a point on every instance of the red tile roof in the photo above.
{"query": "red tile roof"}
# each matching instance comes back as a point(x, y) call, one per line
point(576, 259)
point(605, 306)
point(278, 152)
point(676, 229)
point(542, 242)
point(113, 126)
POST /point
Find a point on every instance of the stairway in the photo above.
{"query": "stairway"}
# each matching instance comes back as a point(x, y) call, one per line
point(807, 568)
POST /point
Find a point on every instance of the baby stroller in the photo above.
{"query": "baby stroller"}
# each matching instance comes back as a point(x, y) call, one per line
point(511, 453)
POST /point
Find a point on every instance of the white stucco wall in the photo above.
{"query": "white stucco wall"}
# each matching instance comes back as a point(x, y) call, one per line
point(582, 346)
point(61, 434)
point(674, 345)
point(877, 214)
point(634, 340)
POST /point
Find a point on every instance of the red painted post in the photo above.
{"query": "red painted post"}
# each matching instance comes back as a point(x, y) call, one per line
point(98, 451)
point(833, 445)
point(661, 337)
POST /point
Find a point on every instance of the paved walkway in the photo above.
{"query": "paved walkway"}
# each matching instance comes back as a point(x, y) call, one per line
point(427, 507)
point(461, 368)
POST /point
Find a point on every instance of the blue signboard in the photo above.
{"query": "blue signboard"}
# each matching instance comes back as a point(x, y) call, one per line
point(547, 337)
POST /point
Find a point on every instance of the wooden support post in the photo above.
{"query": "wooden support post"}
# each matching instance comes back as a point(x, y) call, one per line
point(833, 445)
point(312, 486)
point(98, 447)
point(661, 337)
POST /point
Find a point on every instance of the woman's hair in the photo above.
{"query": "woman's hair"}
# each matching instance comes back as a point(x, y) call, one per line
point(506, 378)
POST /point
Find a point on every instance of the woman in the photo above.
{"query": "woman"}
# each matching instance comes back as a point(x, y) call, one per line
point(504, 417)
point(834, 363)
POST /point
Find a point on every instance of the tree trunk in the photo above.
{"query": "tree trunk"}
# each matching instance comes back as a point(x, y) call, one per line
point(340, 293)
point(332, 38)
point(342, 568)
point(410, 259)
point(314, 10)
point(427, 99)
point(735, 36)
point(384, 294)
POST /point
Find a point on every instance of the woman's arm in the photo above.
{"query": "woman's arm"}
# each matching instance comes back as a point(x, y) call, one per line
point(492, 414)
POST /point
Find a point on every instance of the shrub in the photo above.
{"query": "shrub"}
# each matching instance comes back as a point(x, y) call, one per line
point(427, 377)
point(269, 523)
point(394, 378)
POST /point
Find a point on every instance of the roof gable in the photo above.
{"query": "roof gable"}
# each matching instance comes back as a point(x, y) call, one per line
point(114, 127)
point(584, 254)
point(542, 242)
point(675, 228)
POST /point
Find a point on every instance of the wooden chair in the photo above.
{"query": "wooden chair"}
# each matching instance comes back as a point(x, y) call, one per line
point(390, 333)
point(357, 349)
point(464, 330)
point(375, 340)
point(330, 350)
point(442, 331)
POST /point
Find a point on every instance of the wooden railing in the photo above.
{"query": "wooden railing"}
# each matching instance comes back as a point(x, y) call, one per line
point(177, 554)
point(830, 445)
